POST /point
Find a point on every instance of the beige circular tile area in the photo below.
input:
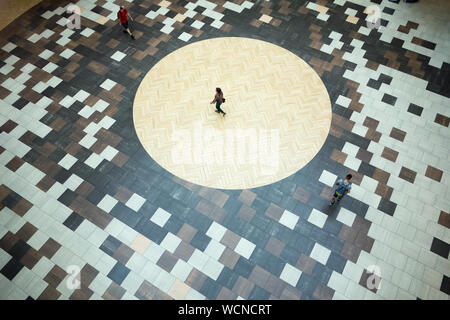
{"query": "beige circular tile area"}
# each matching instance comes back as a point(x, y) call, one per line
point(278, 113)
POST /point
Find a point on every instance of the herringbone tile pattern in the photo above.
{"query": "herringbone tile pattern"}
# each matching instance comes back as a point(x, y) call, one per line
point(278, 113)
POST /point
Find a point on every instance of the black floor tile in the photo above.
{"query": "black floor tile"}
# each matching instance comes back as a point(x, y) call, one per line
point(440, 247)
point(11, 269)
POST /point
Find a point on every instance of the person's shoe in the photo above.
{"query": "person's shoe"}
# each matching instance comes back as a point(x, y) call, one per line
point(224, 114)
point(132, 37)
point(216, 111)
point(124, 31)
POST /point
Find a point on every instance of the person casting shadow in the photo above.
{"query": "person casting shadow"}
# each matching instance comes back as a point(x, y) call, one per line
point(219, 99)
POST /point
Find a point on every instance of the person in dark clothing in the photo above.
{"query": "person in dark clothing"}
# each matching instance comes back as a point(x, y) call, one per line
point(123, 15)
point(219, 99)
point(344, 187)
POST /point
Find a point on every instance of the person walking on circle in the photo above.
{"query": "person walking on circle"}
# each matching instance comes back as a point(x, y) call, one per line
point(343, 188)
point(219, 99)
point(123, 15)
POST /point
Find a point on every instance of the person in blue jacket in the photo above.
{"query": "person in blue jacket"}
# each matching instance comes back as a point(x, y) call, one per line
point(343, 187)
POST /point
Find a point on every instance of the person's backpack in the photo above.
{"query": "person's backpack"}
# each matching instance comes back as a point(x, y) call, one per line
point(341, 189)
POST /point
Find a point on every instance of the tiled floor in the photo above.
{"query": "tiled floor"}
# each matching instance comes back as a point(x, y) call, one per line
point(79, 192)
point(278, 113)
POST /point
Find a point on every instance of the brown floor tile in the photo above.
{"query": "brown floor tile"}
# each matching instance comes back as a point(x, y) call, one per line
point(26, 232)
point(384, 191)
point(84, 293)
point(30, 259)
point(123, 254)
point(323, 292)
point(97, 67)
point(247, 197)
point(84, 189)
point(398, 134)
point(230, 239)
point(290, 293)
point(442, 120)
point(364, 242)
point(27, 137)
point(434, 173)
point(373, 135)
point(120, 159)
point(389, 154)
point(91, 212)
point(87, 275)
point(219, 198)
point(274, 246)
point(8, 126)
point(242, 287)
point(114, 292)
point(72, 148)
point(133, 73)
point(108, 137)
point(342, 122)
point(337, 156)
point(305, 264)
point(301, 195)
point(371, 123)
point(49, 293)
point(361, 225)
point(229, 258)
point(275, 212)
point(14, 164)
point(147, 291)
point(407, 174)
point(187, 232)
point(381, 176)
point(184, 251)
point(55, 276)
point(8, 241)
point(46, 183)
point(356, 177)
point(246, 213)
point(350, 252)
point(123, 195)
point(364, 155)
point(58, 124)
point(22, 207)
point(274, 285)
point(444, 219)
point(335, 130)
point(167, 261)
point(49, 248)
point(205, 207)
point(196, 279)
point(259, 276)
point(226, 294)
point(370, 281)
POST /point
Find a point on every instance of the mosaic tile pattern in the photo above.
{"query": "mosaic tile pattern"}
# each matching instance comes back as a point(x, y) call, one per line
point(77, 188)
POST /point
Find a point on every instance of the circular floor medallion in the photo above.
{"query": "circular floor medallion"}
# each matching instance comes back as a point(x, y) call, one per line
point(278, 113)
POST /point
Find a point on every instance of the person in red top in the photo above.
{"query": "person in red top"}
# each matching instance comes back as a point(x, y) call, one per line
point(219, 99)
point(123, 15)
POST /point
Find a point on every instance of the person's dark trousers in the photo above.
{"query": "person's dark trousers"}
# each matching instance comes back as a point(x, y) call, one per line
point(218, 107)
